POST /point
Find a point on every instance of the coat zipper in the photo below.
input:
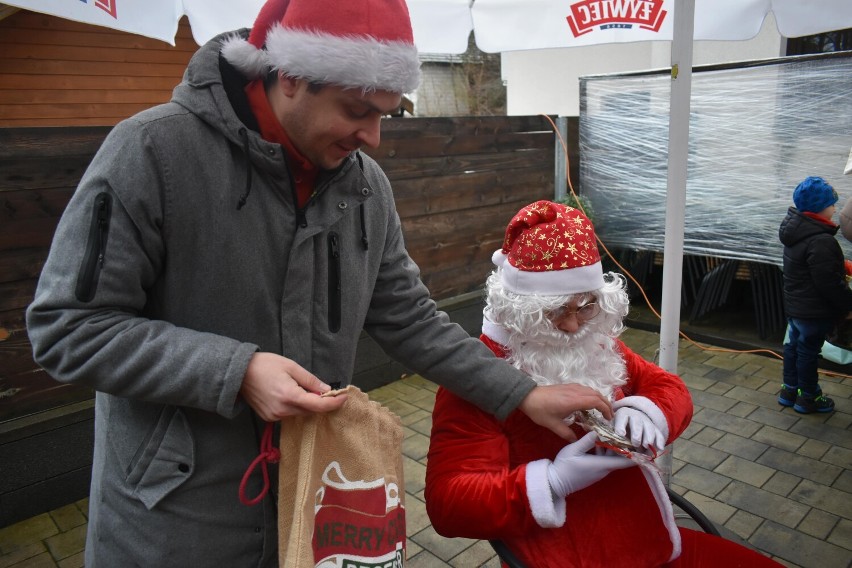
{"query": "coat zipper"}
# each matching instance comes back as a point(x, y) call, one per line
point(334, 284)
point(93, 261)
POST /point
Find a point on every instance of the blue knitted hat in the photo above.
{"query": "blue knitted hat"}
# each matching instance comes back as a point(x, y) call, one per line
point(814, 194)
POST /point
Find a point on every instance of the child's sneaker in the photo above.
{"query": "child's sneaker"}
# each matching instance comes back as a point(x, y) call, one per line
point(807, 403)
point(787, 395)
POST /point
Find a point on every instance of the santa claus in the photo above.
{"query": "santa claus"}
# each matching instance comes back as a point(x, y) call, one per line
point(553, 313)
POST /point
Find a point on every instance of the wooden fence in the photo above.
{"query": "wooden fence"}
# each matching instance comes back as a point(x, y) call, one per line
point(55, 72)
point(457, 182)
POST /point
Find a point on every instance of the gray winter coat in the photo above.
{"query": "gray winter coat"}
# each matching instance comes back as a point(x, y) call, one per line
point(158, 290)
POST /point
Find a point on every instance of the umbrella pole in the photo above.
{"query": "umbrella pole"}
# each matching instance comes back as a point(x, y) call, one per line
point(681, 90)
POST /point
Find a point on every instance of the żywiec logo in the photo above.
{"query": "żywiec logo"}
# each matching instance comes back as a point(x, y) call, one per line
point(587, 14)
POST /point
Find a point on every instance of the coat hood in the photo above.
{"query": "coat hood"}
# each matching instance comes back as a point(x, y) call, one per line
point(797, 227)
point(203, 90)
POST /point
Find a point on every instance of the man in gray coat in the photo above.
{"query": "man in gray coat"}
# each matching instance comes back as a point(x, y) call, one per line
point(216, 265)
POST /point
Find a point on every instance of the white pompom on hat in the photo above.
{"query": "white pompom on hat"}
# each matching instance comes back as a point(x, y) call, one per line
point(364, 44)
point(550, 249)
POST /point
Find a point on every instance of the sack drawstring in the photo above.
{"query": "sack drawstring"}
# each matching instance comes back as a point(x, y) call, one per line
point(268, 454)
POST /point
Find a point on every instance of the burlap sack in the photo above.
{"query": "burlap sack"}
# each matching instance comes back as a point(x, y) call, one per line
point(341, 499)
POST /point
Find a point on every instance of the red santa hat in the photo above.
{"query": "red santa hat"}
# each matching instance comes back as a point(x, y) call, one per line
point(550, 249)
point(366, 44)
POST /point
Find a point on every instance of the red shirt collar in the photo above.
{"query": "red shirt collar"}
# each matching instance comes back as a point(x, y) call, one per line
point(304, 172)
point(820, 218)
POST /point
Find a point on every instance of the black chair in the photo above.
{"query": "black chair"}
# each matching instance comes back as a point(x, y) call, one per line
point(715, 287)
point(690, 511)
point(767, 289)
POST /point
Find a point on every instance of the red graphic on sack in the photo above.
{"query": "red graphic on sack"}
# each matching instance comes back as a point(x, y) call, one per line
point(358, 524)
point(587, 14)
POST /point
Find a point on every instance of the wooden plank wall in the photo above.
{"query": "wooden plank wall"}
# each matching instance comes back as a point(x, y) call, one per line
point(457, 182)
point(39, 169)
point(55, 72)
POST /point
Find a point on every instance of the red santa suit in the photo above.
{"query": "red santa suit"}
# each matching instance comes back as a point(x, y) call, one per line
point(487, 479)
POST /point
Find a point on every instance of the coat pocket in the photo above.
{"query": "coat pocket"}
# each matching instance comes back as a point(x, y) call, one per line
point(335, 290)
point(166, 461)
point(93, 261)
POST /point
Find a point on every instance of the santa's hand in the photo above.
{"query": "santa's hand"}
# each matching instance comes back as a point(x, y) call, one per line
point(574, 469)
point(637, 426)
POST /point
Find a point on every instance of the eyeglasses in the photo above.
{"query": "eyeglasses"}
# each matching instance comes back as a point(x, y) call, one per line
point(583, 313)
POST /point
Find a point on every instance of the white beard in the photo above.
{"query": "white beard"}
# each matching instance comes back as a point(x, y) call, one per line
point(552, 357)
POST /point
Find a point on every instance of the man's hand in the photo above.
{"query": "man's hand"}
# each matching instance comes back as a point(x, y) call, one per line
point(550, 405)
point(275, 387)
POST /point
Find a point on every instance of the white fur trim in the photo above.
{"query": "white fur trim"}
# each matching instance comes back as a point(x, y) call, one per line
point(348, 61)
point(547, 510)
point(655, 482)
point(248, 60)
point(551, 283)
point(495, 332)
point(651, 410)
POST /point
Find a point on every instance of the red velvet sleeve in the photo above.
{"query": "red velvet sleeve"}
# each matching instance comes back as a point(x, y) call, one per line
point(471, 491)
point(664, 389)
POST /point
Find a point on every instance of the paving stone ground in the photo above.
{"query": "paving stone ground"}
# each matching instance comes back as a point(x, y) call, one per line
point(779, 481)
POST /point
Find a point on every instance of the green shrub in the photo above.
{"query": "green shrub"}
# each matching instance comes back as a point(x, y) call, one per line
point(580, 202)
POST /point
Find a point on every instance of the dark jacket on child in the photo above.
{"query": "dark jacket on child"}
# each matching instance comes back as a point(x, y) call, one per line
point(814, 274)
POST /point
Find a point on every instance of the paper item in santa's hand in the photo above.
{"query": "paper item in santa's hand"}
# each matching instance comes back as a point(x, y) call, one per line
point(591, 420)
point(848, 168)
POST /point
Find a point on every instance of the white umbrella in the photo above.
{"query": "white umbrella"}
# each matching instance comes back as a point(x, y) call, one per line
point(439, 26)
point(156, 19)
point(511, 25)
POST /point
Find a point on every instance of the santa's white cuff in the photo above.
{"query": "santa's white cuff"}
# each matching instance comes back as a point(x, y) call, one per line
point(651, 410)
point(547, 509)
point(495, 332)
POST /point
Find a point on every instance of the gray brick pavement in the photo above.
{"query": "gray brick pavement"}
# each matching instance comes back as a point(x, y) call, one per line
point(780, 481)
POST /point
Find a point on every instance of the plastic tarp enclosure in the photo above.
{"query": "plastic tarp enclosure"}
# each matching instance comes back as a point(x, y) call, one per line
point(757, 129)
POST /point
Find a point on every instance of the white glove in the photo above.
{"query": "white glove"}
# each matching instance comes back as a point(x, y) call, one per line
point(637, 426)
point(574, 469)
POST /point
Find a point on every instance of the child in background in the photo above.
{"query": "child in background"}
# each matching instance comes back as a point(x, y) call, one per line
point(816, 294)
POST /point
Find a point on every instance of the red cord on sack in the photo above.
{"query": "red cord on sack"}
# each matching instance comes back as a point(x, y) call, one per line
point(268, 454)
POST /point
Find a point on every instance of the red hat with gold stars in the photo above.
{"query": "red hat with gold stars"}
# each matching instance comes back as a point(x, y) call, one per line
point(550, 250)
